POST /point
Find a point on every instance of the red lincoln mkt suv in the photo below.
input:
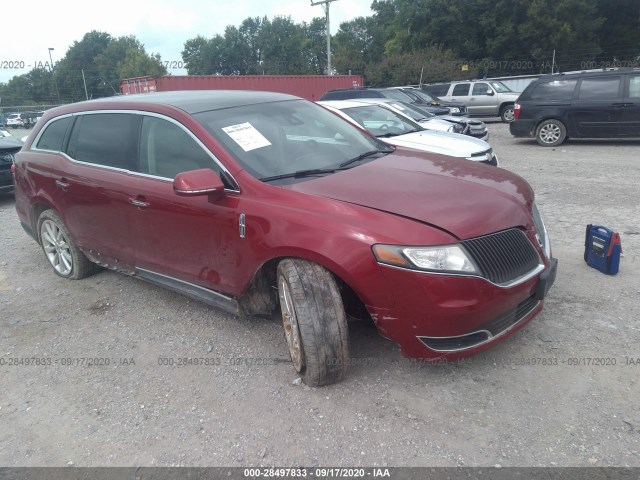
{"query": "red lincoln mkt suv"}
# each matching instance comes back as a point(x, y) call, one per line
point(250, 200)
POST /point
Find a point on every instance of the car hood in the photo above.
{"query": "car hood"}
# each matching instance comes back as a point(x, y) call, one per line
point(444, 143)
point(10, 143)
point(462, 120)
point(463, 198)
point(436, 123)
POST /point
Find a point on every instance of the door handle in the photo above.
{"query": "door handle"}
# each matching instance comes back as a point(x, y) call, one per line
point(622, 105)
point(138, 203)
point(62, 185)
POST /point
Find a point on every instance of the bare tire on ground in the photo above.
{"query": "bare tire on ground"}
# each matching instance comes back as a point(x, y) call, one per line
point(64, 256)
point(506, 113)
point(314, 321)
point(551, 133)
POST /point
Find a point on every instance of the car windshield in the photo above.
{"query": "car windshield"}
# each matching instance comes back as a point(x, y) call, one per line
point(381, 121)
point(282, 138)
point(500, 87)
point(425, 97)
point(398, 95)
point(416, 113)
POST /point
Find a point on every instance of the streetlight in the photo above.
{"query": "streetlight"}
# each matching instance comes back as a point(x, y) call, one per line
point(325, 5)
point(55, 80)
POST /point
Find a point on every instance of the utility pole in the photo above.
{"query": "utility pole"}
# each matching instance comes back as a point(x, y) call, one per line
point(325, 5)
point(55, 80)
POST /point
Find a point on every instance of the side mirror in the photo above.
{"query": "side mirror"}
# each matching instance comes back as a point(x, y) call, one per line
point(490, 92)
point(198, 182)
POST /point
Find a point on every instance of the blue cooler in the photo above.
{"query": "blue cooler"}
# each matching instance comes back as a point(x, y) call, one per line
point(602, 249)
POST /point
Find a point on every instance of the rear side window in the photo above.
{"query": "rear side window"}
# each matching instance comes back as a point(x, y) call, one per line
point(108, 139)
point(634, 86)
point(461, 90)
point(556, 90)
point(600, 88)
point(53, 136)
point(438, 90)
point(167, 150)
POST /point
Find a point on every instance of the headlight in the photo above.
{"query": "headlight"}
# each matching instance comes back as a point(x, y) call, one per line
point(444, 258)
point(485, 156)
point(459, 128)
point(541, 230)
point(454, 110)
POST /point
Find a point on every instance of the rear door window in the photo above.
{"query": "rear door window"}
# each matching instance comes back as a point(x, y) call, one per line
point(108, 139)
point(53, 136)
point(461, 90)
point(555, 90)
point(600, 88)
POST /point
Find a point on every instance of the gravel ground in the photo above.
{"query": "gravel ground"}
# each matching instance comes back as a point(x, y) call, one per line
point(245, 407)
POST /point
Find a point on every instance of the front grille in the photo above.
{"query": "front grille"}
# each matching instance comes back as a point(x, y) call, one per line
point(500, 323)
point(503, 256)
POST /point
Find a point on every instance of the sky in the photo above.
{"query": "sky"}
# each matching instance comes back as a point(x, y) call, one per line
point(161, 25)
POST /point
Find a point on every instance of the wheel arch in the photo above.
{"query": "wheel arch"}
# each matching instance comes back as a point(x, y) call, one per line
point(37, 207)
point(260, 297)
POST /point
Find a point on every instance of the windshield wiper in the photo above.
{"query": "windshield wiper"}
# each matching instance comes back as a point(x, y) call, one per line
point(300, 174)
point(364, 155)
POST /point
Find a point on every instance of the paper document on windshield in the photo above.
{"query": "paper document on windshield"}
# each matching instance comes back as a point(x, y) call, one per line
point(246, 135)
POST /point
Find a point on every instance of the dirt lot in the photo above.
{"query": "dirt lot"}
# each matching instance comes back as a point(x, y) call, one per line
point(581, 408)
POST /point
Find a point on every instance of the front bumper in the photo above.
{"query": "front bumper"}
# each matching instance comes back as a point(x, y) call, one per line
point(449, 316)
point(6, 181)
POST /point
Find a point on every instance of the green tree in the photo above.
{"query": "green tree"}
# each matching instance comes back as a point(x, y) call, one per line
point(280, 41)
point(105, 61)
point(356, 44)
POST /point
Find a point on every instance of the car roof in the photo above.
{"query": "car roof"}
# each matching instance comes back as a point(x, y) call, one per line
point(586, 73)
point(191, 101)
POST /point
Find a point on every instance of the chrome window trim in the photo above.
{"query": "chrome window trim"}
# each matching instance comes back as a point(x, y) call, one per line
point(136, 112)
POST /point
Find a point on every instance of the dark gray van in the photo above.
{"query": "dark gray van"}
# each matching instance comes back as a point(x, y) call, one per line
point(590, 104)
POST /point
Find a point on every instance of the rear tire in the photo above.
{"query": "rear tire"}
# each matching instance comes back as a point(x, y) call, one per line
point(64, 256)
point(551, 133)
point(507, 113)
point(314, 321)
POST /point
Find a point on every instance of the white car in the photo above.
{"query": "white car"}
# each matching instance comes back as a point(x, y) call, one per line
point(464, 125)
point(14, 120)
point(397, 129)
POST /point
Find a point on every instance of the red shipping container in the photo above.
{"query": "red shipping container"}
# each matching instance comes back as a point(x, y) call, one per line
point(311, 87)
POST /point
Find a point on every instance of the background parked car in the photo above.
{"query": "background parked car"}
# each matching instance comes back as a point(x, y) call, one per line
point(391, 93)
point(423, 98)
point(482, 98)
point(464, 125)
point(9, 146)
point(593, 104)
point(29, 119)
point(398, 129)
point(14, 120)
